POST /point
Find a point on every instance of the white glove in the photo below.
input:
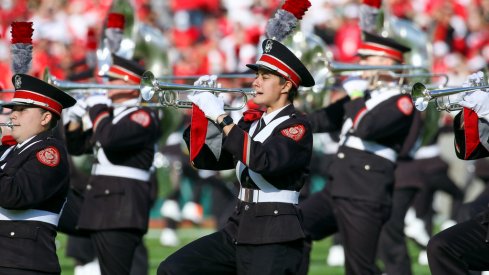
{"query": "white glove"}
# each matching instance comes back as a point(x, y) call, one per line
point(478, 101)
point(77, 112)
point(211, 105)
point(205, 81)
point(475, 79)
point(97, 99)
point(355, 87)
point(444, 102)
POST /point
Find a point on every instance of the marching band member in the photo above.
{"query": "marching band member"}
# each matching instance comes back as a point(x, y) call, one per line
point(264, 234)
point(118, 197)
point(464, 246)
point(357, 200)
point(34, 179)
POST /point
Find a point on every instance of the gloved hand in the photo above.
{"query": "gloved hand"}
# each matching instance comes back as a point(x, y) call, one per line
point(478, 101)
point(205, 81)
point(211, 105)
point(355, 87)
point(475, 79)
point(97, 99)
point(77, 112)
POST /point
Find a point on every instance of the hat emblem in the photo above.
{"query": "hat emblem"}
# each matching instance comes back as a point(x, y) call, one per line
point(18, 82)
point(268, 46)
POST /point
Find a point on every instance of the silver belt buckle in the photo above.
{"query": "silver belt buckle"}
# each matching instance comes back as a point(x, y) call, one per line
point(248, 194)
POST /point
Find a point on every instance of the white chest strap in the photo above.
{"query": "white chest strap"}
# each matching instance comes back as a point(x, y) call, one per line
point(272, 193)
point(105, 168)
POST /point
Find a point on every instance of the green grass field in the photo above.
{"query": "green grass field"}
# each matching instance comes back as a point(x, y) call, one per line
point(157, 253)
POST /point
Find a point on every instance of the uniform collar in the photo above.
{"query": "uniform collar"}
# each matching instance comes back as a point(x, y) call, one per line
point(269, 117)
point(125, 105)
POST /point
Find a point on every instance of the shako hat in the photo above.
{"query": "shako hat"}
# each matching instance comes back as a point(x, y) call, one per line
point(278, 58)
point(125, 69)
point(381, 46)
point(31, 91)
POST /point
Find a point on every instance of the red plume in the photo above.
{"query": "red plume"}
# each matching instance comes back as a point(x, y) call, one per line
point(297, 8)
point(116, 20)
point(22, 32)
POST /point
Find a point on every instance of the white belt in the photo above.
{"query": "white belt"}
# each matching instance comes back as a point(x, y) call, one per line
point(372, 147)
point(29, 215)
point(425, 152)
point(120, 171)
point(254, 195)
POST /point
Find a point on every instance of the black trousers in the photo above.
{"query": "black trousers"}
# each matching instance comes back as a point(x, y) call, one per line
point(392, 243)
point(115, 250)
point(460, 248)
point(217, 254)
point(359, 224)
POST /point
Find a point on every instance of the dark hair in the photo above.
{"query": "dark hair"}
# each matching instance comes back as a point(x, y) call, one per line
point(54, 119)
point(293, 90)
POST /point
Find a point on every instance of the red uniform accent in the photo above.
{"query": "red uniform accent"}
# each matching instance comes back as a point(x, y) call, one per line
point(141, 117)
point(8, 140)
point(405, 105)
point(390, 52)
point(52, 105)
point(198, 131)
point(291, 74)
point(295, 132)
point(49, 156)
point(471, 126)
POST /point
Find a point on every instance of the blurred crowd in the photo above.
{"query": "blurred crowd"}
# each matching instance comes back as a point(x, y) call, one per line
point(214, 37)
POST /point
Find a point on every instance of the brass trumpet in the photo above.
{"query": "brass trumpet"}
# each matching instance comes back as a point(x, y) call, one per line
point(168, 92)
point(422, 96)
point(7, 124)
point(338, 67)
point(188, 77)
point(69, 85)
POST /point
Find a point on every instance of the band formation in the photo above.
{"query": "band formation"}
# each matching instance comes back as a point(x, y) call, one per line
point(276, 124)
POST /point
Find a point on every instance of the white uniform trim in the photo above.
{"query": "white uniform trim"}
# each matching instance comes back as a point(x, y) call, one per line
point(372, 147)
point(29, 215)
point(380, 96)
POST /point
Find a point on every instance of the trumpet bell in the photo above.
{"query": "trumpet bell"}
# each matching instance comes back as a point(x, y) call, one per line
point(147, 85)
point(418, 94)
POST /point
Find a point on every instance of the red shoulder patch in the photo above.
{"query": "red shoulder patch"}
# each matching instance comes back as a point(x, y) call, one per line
point(141, 117)
point(405, 105)
point(295, 132)
point(49, 156)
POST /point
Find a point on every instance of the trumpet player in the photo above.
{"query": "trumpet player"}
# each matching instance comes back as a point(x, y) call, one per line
point(374, 123)
point(34, 179)
point(118, 196)
point(271, 151)
point(464, 246)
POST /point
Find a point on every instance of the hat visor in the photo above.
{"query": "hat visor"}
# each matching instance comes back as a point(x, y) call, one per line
point(10, 105)
point(256, 67)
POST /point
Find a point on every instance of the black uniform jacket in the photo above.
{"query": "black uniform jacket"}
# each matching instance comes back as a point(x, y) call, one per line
point(471, 135)
point(33, 177)
point(357, 173)
point(117, 202)
point(282, 160)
